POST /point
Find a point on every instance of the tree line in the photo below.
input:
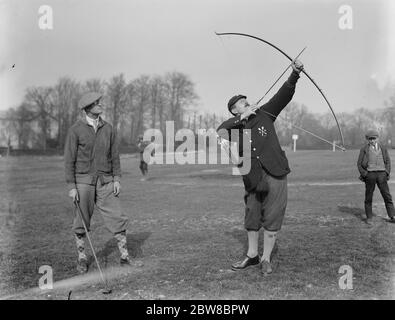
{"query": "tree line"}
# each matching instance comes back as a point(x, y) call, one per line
point(46, 113)
point(42, 120)
point(354, 125)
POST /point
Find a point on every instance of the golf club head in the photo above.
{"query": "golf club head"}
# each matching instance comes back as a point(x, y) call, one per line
point(106, 291)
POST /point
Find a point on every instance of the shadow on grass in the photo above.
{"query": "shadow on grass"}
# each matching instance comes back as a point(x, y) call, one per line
point(356, 212)
point(215, 176)
point(241, 236)
point(134, 242)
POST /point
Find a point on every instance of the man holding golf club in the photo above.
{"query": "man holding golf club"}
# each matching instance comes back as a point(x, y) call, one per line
point(92, 168)
point(266, 183)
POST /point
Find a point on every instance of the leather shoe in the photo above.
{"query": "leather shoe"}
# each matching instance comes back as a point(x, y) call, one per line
point(247, 262)
point(127, 262)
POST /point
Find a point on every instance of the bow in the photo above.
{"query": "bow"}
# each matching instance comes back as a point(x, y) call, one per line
point(289, 58)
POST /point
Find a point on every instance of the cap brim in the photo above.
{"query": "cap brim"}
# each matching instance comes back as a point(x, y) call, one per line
point(91, 99)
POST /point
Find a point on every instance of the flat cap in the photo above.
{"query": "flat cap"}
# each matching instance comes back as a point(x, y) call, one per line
point(88, 98)
point(371, 134)
point(233, 100)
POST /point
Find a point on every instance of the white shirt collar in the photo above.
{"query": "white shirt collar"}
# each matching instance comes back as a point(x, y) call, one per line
point(93, 122)
point(375, 146)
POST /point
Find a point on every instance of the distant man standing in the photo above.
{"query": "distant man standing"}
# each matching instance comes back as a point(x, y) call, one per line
point(266, 183)
point(141, 145)
point(93, 172)
point(374, 165)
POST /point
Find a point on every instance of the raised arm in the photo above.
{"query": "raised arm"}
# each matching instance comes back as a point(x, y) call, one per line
point(233, 123)
point(283, 96)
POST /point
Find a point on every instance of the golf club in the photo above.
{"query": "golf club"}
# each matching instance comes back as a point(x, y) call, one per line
point(106, 290)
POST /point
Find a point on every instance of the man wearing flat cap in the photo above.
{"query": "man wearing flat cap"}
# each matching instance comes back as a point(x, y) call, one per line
point(374, 165)
point(93, 172)
point(266, 183)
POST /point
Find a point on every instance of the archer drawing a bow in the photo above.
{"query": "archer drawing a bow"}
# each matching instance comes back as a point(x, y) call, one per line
point(308, 76)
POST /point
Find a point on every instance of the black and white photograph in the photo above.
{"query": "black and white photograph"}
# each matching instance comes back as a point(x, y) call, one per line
point(198, 156)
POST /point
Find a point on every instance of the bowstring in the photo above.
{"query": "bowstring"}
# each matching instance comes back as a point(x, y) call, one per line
point(302, 129)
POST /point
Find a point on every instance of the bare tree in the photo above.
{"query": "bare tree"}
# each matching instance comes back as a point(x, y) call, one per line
point(117, 98)
point(388, 114)
point(157, 100)
point(181, 95)
point(194, 121)
point(94, 84)
point(293, 114)
point(40, 99)
point(357, 124)
point(206, 121)
point(131, 109)
point(141, 98)
point(65, 95)
point(20, 121)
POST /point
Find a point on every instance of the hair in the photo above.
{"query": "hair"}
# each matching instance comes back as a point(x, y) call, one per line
point(232, 108)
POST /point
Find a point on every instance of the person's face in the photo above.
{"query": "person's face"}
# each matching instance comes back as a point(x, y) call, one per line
point(94, 110)
point(372, 140)
point(240, 106)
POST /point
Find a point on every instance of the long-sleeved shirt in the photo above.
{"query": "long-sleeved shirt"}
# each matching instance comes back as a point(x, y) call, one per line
point(266, 151)
point(89, 154)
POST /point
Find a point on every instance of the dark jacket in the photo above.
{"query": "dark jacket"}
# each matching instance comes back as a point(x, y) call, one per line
point(266, 151)
point(141, 145)
point(364, 158)
point(89, 155)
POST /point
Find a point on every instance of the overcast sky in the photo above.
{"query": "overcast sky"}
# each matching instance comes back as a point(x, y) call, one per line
point(102, 38)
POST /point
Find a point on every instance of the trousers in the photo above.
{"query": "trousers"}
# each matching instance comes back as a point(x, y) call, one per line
point(378, 178)
point(107, 204)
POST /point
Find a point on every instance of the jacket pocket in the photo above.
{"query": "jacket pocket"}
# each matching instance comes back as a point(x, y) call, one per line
point(107, 179)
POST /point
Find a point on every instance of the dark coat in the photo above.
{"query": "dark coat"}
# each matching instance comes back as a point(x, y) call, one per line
point(363, 159)
point(266, 151)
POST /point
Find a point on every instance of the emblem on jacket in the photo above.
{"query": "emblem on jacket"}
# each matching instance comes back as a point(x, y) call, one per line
point(262, 131)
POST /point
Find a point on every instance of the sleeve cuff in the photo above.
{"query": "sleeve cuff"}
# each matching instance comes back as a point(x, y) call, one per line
point(71, 185)
point(293, 78)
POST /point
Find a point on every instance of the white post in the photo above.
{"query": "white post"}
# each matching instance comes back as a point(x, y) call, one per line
point(294, 138)
point(334, 146)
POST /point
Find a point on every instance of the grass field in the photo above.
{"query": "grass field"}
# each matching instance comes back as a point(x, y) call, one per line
point(187, 227)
